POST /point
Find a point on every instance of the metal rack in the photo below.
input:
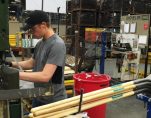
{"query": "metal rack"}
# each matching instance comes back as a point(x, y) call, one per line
point(111, 11)
point(82, 14)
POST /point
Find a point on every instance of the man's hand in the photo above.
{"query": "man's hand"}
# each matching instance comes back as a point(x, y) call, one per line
point(8, 63)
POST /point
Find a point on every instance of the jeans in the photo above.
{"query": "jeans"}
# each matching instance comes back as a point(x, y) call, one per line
point(36, 103)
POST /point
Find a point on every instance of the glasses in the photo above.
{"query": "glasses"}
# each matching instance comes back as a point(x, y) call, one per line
point(33, 29)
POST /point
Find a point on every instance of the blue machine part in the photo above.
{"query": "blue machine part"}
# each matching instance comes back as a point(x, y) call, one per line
point(103, 49)
point(146, 100)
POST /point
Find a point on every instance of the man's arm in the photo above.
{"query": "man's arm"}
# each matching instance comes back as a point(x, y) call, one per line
point(44, 76)
point(28, 64)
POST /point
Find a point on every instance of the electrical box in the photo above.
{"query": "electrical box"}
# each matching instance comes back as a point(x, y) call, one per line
point(4, 45)
point(135, 24)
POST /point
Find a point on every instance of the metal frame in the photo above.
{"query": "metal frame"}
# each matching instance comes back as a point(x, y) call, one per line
point(7, 96)
point(146, 100)
point(103, 49)
point(23, 93)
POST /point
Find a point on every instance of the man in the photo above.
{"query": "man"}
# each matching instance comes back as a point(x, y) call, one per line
point(48, 59)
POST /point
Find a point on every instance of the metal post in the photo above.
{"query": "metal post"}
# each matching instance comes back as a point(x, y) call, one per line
point(58, 18)
point(102, 60)
point(4, 109)
point(146, 62)
point(147, 48)
point(76, 50)
point(42, 7)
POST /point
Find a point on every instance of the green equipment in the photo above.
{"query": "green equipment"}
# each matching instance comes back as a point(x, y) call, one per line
point(4, 28)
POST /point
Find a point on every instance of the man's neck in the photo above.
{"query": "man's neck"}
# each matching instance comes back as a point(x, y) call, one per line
point(48, 33)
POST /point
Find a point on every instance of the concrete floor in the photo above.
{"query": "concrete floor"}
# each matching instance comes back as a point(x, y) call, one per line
point(129, 107)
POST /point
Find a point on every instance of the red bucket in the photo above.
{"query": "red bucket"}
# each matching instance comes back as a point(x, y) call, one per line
point(90, 82)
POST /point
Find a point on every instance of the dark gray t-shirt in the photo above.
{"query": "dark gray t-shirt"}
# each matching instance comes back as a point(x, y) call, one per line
point(51, 51)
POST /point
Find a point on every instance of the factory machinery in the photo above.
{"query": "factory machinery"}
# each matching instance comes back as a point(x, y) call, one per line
point(11, 96)
point(131, 44)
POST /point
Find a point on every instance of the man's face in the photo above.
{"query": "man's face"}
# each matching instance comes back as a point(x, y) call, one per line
point(37, 31)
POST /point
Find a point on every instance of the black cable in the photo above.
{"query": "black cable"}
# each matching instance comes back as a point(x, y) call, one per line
point(141, 80)
point(141, 90)
point(81, 98)
point(143, 85)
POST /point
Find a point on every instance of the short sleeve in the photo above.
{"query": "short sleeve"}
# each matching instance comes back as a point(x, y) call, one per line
point(35, 50)
point(57, 54)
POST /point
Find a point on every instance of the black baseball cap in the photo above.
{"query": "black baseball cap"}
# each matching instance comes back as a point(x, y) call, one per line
point(34, 18)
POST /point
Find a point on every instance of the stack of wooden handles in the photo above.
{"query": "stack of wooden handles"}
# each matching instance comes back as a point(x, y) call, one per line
point(71, 105)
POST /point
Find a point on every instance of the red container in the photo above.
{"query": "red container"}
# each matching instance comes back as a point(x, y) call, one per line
point(90, 82)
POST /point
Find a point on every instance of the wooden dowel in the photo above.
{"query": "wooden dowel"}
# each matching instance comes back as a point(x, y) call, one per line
point(107, 96)
point(67, 110)
point(76, 102)
point(77, 97)
point(49, 114)
point(90, 105)
point(31, 115)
